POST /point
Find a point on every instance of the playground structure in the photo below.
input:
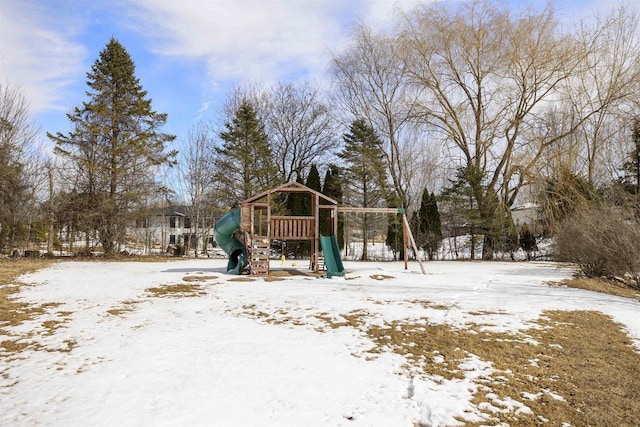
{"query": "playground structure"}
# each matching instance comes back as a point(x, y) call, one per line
point(245, 233)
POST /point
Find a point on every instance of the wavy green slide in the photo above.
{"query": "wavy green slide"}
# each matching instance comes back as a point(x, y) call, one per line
point(332, 257)
point(224, 233)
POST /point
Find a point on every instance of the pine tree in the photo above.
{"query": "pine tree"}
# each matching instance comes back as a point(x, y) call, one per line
point(508, 235)
point(304, 201)
point(296, 204)
point(394, 229)
point(365, 171)
point(333, 184)
point(332, 188)
point(116, 144)
point(430, 228)
point(527, 240)
point(419, 220)
point(426, 225)
point(244, 163)
point(313, 182)
point(414, 224)
point(461, 208)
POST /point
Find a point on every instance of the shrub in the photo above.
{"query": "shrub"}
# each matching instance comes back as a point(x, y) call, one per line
point(603, 241)
point(527, 241)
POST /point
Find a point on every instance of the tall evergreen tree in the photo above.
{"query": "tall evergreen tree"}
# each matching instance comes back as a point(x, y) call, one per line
point(333, 188)
point(297, 206)
point(419, 220)
point(313, 179)
point(365, 172)
point(115, 144)
point(295, 202)
point(527, 241)
point(430, 227)
point(508, 235)
point(313, 182)
point(244, 163)
point(461, 208)
point(394, 228)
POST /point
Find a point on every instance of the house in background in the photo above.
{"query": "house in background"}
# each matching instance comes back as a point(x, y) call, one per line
point(165, 228)
point(527, 213)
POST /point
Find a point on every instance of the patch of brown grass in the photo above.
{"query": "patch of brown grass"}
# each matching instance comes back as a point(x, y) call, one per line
point(600, 285)
point(12, 312)
point(13, 346)
point(582, 372)
point(179, 290)
point(242, 279)
point(354, 319)
point(50, 326)
point(380, 276)
point(486, 312)
point(100, 257)
point(10, 268)
point(431, 305)
point(70, 345)
point(291, 272)
point(198, 278)
point(126, 307)
point(278, 317)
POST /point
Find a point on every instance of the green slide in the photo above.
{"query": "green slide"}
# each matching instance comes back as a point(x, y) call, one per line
point(332, 257)
point(224, 233)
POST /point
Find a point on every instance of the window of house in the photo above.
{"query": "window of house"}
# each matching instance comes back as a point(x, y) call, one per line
point(172, 222)
point(172, 239)
point(187, 222)
point(142, 223)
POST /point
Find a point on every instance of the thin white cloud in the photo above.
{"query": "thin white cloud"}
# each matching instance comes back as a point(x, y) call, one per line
point(255, 40)
point(43, 61)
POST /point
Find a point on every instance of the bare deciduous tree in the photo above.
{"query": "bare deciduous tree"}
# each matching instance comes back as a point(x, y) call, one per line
point(197, 177)
point(602, 86)
point(371, 83)
point(486, 78)
point(18, 170)
point(300, 128)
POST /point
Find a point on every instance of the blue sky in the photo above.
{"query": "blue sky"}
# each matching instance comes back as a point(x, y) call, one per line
point(188, 53)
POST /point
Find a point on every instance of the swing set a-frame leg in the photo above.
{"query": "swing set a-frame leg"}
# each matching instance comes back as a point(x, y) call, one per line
point(407, 232)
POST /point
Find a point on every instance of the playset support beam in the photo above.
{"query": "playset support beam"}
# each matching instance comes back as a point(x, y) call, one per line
point(406, 230)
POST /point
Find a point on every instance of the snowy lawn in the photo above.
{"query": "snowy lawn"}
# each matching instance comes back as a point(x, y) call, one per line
point(181, 343)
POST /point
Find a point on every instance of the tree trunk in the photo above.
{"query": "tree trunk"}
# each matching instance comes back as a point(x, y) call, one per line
point(365, 240)
point(488, 247)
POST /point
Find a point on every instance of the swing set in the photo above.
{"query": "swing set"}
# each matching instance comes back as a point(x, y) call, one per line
point(260, 226)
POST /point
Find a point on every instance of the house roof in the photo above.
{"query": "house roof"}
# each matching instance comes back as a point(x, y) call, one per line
point(171, 210)
point(291, 187)
point(176, 210)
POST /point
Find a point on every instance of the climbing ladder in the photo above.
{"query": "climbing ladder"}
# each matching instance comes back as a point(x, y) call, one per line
point(259, 250)
point(320, 258)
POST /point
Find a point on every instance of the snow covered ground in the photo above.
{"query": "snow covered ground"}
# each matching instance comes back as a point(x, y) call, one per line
point(260, 353)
